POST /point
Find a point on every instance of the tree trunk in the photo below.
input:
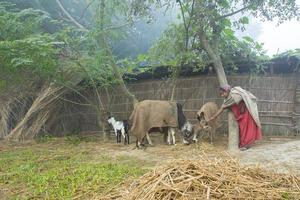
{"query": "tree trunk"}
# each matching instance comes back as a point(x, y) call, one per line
point(174, 82)
point(216, 60)
point(233, 129)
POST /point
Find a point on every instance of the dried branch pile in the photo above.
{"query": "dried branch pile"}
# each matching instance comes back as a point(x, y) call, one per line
point(209, 179)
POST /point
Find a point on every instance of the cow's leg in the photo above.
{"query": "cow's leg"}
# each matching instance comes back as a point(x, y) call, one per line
point(169, 136)
point(165, 136)
point(148, 139)
point(212, 134)
point(209, 131)
point(138, 143)
point(173, 135)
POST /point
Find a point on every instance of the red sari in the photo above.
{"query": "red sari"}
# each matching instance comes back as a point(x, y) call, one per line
point(249, 131)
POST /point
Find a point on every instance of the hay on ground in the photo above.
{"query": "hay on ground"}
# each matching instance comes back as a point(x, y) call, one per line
point(209, 179)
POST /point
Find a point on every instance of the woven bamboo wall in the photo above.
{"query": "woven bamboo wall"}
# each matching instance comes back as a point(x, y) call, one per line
point(276, 97)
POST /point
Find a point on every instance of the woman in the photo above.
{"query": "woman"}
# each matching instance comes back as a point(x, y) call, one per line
point(243, 105)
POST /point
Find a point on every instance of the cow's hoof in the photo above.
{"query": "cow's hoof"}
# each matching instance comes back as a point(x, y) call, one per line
point(195, 140)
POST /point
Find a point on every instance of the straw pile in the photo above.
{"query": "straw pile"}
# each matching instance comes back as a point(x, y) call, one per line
point(209, 179)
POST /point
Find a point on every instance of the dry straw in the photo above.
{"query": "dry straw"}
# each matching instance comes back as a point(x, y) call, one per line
point(209, 179)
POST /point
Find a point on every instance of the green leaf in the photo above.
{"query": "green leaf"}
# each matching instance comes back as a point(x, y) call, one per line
point(244, 20)
point(248, 39)
point(227, 22)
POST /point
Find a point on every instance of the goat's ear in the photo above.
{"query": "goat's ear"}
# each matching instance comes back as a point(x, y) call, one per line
point(198, 117)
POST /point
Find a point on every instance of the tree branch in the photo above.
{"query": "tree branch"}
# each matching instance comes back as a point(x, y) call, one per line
point(69, 16)
point(85, 9)
point(235, 12)
point(185, 25)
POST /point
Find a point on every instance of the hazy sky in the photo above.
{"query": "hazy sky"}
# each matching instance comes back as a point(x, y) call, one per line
point(280, 38)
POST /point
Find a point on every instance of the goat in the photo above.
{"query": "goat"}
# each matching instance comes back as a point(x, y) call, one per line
point(120, 127)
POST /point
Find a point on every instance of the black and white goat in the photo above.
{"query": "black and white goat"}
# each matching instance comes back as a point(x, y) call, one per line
point(120, 128)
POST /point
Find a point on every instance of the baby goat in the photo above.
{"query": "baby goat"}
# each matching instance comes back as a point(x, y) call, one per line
point(120, 127)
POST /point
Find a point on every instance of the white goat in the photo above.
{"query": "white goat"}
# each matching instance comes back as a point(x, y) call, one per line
point(120, 127)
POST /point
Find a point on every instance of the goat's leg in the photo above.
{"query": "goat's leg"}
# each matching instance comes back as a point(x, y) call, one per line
point(119, 136)
point(116, 132)
point(149, 140)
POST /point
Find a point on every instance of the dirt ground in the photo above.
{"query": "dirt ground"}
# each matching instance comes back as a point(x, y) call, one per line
point(279, 154)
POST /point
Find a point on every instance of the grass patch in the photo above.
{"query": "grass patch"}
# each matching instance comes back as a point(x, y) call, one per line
point(64, 171)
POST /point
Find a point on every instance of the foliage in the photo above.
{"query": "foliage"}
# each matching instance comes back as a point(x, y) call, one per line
point(167, 51)
point(28, 52)
point(212, 22)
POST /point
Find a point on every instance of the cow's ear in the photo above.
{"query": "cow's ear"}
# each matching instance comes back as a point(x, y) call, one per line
point(202, 115)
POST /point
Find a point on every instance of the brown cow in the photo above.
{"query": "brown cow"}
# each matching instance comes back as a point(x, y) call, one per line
point(150, 114)
point(203, 115)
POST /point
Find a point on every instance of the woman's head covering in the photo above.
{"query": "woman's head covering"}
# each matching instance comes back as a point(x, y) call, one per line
point(225, 88)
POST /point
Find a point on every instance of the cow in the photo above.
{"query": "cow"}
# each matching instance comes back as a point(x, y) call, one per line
point(149, 114)
point(203, 115)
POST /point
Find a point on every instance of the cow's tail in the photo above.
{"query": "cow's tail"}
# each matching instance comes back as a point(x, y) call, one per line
point(181, 116)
